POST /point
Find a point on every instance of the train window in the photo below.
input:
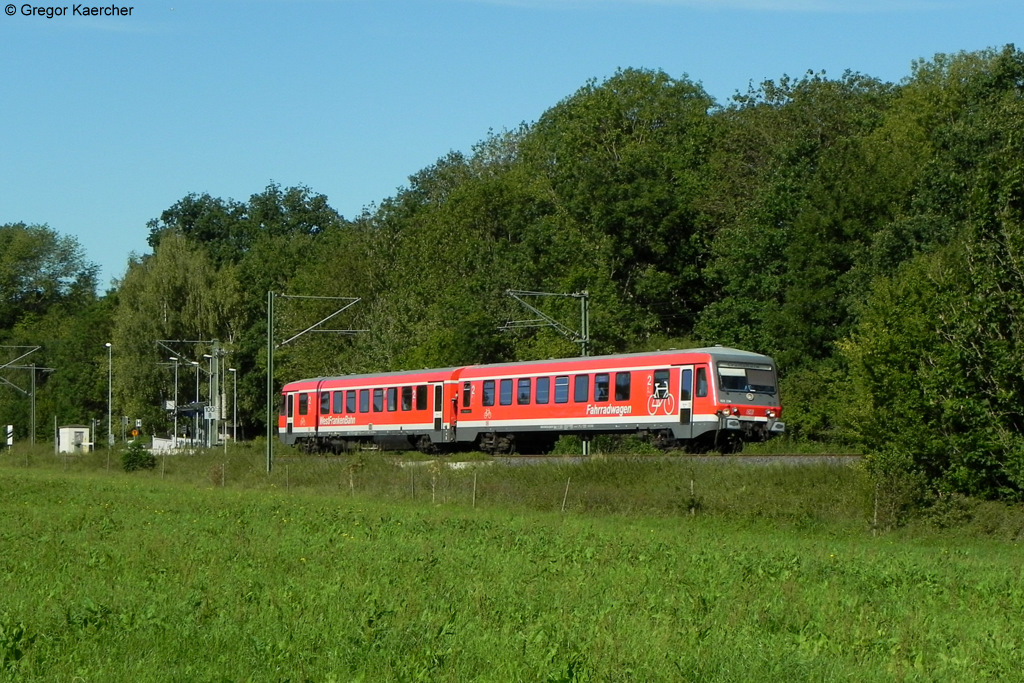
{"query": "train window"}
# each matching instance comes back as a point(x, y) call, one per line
point(350, 401)
point(421, 397)
point(684, 391)
point(543, 390)
point(406, 398)
point(488, 392)
point(378, 400)
point(761, 380)
point(622, 386)
point(325, 402)
point(661, 389)
point(523, 392)
point(287, 410)
point(339, 402)
point(364, 400)
point(732, 379)
point(505, 392)
point(581, 389)
point(747, 378)
point(601, 387)
point(562, 389)
point(702, 382)
point(467, 393)
point(303, 404)
point(392, 399)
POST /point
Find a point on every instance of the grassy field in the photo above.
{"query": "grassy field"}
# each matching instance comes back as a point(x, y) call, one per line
point(364, 568)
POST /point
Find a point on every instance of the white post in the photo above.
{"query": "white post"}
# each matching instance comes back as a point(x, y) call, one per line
point(234, 406)
point(110, 383)
point(174, 437)
point(195, 417)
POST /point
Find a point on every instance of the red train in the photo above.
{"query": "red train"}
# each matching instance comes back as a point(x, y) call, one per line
point(697, 399)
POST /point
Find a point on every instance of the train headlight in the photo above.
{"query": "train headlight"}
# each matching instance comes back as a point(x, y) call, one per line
point(770, 413)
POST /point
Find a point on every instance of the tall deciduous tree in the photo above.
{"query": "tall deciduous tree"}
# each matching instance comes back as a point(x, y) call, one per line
point(48, 300)
point(39, 269)
point(250, 248)
point(173, 294)
point(626, 160)
point(795, 199)
point(937, 351)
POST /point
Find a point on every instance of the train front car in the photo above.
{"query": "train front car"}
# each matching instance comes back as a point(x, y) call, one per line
point(746, 397)
point(697, 399)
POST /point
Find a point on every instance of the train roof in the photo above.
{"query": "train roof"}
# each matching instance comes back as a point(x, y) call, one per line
point(725, 353)
point(425, 373)
point(730, 354)
point(718, 352)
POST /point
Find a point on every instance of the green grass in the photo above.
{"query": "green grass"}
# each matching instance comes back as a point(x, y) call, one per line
point(658, 485)
point(393, 574)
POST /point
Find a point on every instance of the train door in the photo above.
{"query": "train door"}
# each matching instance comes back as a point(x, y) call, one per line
point(685, 402)
point(703, 395)
point(438, 407)
point(290, 414)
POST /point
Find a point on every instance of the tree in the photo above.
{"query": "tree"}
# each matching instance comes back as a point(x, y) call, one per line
point(265, 243)
point(795, 199)
point(48, 300)
point(625, 161)
point(937, 353)
point(39, 269)
point(173, 294)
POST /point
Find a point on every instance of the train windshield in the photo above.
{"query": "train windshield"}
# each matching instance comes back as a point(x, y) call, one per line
point(746, 377)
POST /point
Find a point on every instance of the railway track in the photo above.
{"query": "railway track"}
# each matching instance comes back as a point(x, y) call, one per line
point(526, 459)
point(794, 459)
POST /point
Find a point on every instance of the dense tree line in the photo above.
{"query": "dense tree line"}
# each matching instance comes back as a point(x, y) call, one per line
point(868, 235)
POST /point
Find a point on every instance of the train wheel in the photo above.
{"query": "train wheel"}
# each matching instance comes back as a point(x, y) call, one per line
point(665, 440)
point(699, 445)
point(425, 445)
point(728, 443)
point(497, 444)
point(507, 444)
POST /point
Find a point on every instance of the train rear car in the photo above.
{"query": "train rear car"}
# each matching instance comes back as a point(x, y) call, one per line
point(399, 410)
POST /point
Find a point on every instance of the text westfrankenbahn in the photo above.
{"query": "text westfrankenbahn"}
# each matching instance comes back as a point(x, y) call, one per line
point(77, 11)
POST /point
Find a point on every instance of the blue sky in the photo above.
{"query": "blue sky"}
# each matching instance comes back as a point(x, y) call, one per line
point(107, 121)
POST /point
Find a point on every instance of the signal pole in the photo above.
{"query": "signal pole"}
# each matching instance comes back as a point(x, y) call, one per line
point(271, 347)
point(581, 337)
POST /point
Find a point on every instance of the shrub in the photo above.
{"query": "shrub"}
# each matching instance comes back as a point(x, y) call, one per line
point(137, 458)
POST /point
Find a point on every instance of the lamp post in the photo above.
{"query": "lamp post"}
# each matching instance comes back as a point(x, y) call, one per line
point(234, 406)
point(208, 424)
point(110, 384)
point(195, 415)
point(174, 438)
